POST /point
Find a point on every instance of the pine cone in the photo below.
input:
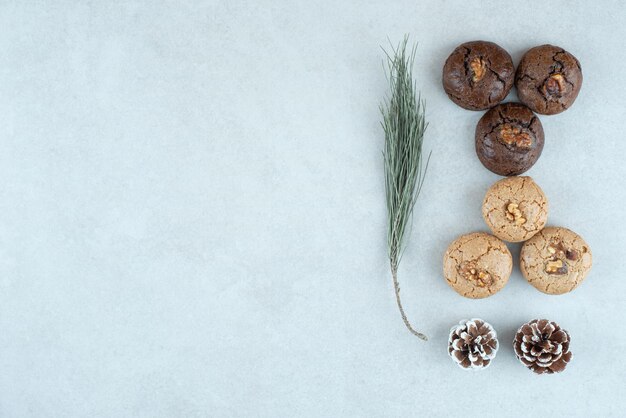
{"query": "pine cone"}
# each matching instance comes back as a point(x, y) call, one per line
point(542, 346)
point(473, 344)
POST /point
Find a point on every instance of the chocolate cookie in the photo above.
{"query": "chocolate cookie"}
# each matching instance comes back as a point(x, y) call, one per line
point(548, 79)
point(515, 209)
point(556, 260)
point(509, 139)
point(478, 75)
point(477, 265)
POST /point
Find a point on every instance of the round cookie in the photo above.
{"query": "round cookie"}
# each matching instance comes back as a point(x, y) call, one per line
point(509, 139)
point(477, 265)
point(515, 209)
point(478, 75)
point(548, 79)
point(555, 260)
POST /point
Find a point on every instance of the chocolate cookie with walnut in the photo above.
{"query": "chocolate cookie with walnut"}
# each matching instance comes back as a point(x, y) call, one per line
point(555, 260)
point(509, 139)
point(477, 265)
point(548, 79)
point(478, 75)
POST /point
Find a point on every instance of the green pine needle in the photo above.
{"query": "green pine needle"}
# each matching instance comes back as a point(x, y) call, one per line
point(404, 125)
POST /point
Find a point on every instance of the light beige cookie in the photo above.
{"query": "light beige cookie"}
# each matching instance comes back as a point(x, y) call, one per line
point(477, 265)
point(515, 208)
point(556, 260)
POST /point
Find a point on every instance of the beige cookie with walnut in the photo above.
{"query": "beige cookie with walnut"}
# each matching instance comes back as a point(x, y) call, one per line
point(556, 260)
point(477, 265)
point(515, 208)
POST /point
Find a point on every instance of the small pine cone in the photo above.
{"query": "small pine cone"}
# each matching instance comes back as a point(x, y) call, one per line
point(473, 344)
point(542, 346)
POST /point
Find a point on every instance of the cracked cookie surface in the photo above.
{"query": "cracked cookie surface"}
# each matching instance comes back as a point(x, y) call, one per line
point(548, 79)
point(556, 260)
point(509, 139)
point(515, 208)
point(478, 75)
point(477, 265)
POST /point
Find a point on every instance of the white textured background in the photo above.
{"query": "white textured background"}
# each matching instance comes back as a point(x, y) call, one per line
point(192, 219)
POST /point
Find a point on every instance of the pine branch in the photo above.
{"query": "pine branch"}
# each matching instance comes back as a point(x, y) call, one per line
point(404, 125)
